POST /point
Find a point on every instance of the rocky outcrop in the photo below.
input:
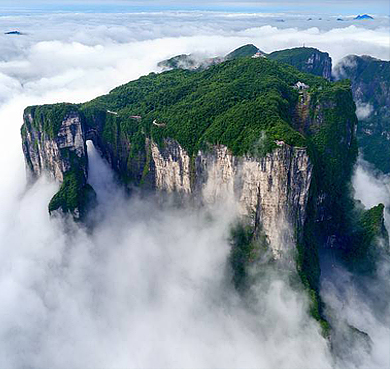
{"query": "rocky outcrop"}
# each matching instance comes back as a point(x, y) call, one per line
point(273, 189)
point(62, 155)
point(171, 168)
point(203, 137)
point(317, 61)
point(306, 59)
point(54, 155)
point(280, 151)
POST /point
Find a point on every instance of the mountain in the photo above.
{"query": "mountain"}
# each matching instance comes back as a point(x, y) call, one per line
point(370, 79)
point(370, 85)
point(183, 61)
point(243, 51)
point(192, 61)
point(306, 59)
point(363, 17)
point(13, 33)
point(280, 141)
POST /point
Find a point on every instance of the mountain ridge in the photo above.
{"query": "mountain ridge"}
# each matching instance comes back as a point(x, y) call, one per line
point(306, 59)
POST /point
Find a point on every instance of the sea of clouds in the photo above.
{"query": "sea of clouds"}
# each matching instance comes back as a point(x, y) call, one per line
point(149, 286)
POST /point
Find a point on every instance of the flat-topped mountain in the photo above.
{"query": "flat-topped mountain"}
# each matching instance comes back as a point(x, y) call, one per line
point(279, 141)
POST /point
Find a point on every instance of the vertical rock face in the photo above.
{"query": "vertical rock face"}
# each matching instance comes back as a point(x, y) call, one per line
point(273, 190)
point(316, 61)
point(63, 155)
point(172, 167)
point(306, 59)
point(54, 155)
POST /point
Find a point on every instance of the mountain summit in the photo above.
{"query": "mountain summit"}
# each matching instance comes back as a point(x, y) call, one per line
point(363, 17)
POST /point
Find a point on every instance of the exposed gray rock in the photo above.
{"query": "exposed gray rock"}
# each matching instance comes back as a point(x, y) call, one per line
point(54, 155)
point(272, 190)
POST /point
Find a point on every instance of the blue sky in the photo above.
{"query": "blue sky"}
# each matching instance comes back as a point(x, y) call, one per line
point(302, 6)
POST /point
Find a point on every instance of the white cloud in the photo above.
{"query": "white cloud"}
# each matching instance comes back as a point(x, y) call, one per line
point(363, 304)
point(147, 288)
point(363, 110)
point(372, 187)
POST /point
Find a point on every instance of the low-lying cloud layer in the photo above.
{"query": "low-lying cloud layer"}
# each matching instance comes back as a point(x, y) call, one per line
point(149, 287)
point(55, 42)
point(372, 187)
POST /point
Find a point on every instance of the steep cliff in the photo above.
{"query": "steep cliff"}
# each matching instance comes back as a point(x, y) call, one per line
point(306, 59)
point(272, 190)
point(278, 142)
point(54, 143)
point(249, 106)
point(370, 79)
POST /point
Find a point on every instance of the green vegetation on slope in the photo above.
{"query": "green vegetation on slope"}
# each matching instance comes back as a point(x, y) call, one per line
point(243, 51)
point(73, 195)
point(232, 103)
point(247, 247)
point(366, 229)
point(179, 61)
point(371, 226)
point(50, 117)
point(299, 56)
point(335, 147)
point(236, 103)
point(370, 79)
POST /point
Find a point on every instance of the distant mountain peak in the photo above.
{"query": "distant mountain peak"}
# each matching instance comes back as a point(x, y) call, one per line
point(363, 17)
point(14, 33)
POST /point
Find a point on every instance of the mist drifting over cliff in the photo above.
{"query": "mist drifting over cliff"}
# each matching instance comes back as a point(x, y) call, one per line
point(149, 286)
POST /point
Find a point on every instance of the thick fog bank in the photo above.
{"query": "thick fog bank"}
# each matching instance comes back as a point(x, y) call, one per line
point(360, 302)
point(148, 287)
point(372, 187)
